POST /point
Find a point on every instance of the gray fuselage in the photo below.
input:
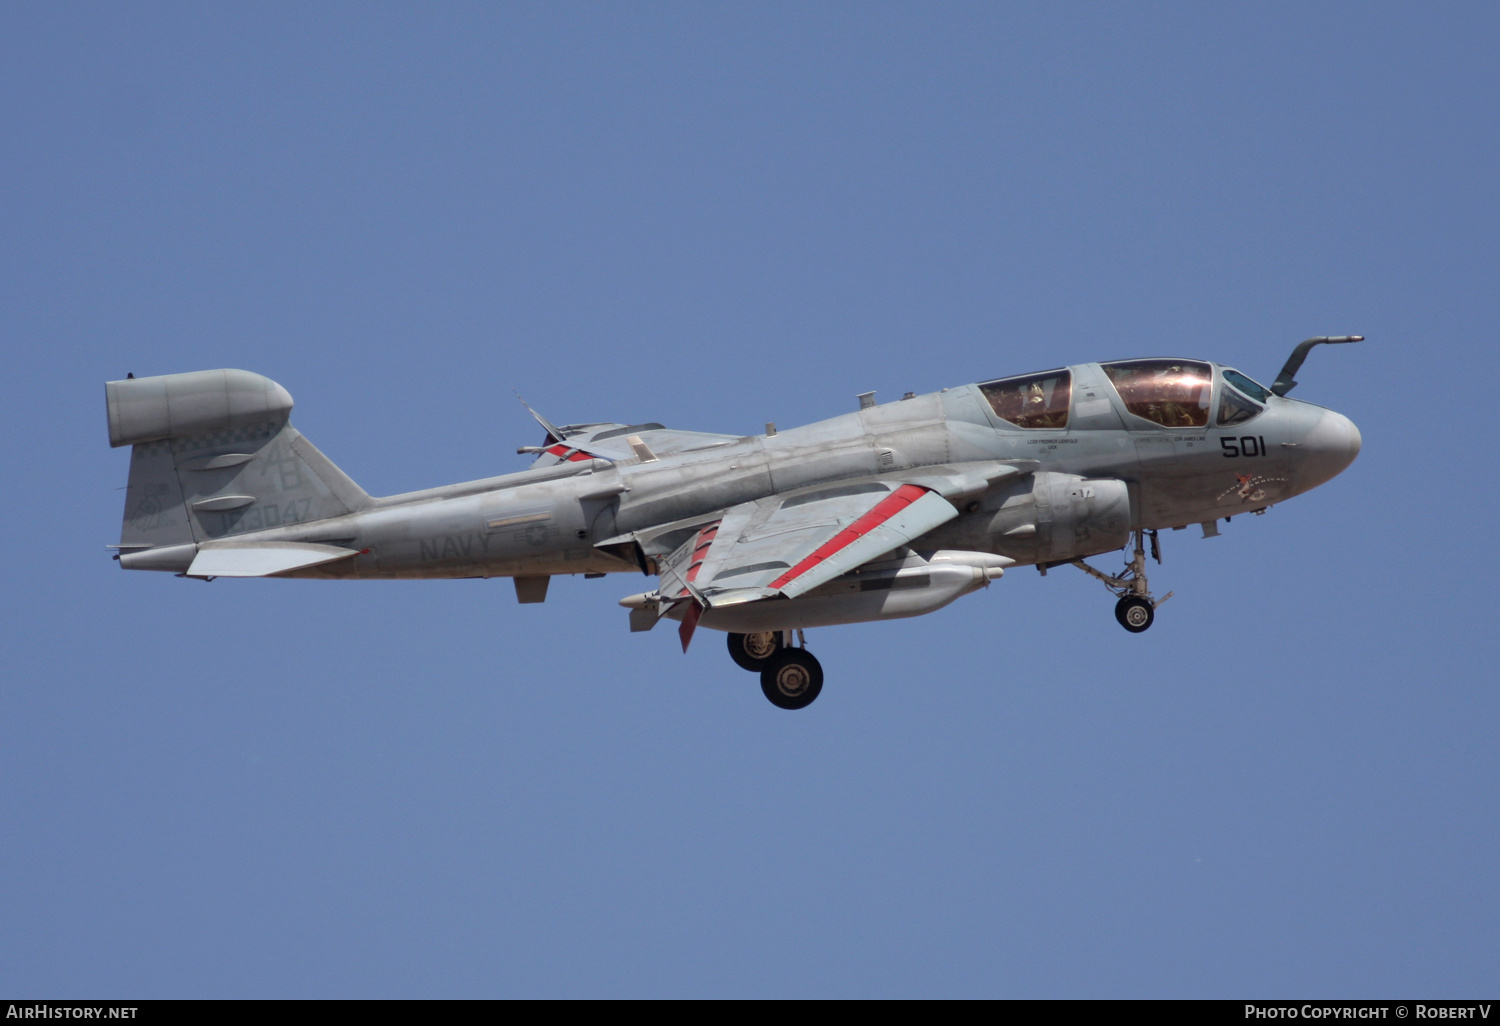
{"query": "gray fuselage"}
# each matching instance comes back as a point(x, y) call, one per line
point(589, 515)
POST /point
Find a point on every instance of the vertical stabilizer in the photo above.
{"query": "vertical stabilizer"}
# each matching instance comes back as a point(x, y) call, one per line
point(213, 456)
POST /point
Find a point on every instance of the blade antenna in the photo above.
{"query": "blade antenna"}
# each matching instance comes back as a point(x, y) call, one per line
point(553, 433)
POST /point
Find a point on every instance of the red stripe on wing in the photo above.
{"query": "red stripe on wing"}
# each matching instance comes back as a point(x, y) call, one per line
point(568, 453)
point(887, 507)
point(700, 549)
point(701, 546)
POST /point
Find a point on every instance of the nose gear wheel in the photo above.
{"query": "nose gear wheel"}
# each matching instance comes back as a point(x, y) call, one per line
point(1136, 609)
point(1135, 614)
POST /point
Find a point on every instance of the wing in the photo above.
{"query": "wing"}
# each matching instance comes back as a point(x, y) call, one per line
point(790, 543)
point(787, 545)
point(613, 442)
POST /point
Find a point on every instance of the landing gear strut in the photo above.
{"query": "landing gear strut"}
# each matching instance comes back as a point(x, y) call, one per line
point(790, 677)
point(1136, 609)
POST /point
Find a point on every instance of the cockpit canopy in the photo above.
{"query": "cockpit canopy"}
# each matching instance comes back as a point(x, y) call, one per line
point(1234, 407)
point(1032, 400)
point(1172, 393)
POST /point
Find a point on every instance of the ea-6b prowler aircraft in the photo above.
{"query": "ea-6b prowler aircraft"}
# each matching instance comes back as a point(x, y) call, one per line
point(894, 510)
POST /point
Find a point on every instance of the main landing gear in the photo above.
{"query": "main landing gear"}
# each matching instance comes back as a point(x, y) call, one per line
point(1136, 609)
point(790, 677)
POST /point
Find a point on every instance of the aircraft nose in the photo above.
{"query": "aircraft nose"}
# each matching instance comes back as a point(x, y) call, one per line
point(1328, 448)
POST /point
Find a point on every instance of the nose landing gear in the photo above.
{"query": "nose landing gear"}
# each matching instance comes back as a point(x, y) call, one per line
point(1136, 609)
point(791, 678)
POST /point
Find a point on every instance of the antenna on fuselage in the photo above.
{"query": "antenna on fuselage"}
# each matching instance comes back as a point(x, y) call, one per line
point(553, 433)
point(1284, 380)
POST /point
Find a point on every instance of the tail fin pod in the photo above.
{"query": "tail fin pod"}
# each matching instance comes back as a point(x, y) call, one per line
point(214, 456)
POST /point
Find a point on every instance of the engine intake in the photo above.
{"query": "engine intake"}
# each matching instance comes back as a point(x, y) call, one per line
point(1055, 516)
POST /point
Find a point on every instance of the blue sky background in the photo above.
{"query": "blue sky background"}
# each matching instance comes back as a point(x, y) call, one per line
point(717, 215)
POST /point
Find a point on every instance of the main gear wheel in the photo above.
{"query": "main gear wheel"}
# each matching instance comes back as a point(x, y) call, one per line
point(752, 651)
point(792, 678)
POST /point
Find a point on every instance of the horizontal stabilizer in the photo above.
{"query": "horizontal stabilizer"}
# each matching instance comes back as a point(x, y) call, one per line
point(263, 560)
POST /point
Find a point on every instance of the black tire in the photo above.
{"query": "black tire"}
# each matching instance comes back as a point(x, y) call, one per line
point(792, 679)
point(1135, 613)
point(751, 651)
